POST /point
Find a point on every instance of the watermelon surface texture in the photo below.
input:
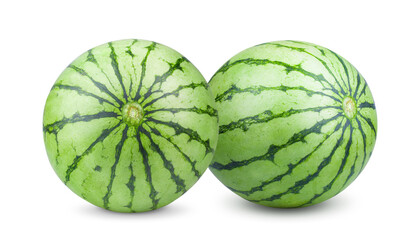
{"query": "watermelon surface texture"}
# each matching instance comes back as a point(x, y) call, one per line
point(130, 125)
point(297, 124)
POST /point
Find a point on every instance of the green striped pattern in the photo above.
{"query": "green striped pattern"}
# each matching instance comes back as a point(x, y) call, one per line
point(126, 167)
point(297, 124)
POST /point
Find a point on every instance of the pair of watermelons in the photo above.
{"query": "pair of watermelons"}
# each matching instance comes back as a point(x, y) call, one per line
point(131, 125)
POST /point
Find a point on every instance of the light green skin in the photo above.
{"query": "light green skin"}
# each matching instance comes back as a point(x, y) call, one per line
point(130, 164)
point(286, 138)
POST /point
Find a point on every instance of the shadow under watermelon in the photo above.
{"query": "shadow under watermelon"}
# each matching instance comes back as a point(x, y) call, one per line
point(335, 204)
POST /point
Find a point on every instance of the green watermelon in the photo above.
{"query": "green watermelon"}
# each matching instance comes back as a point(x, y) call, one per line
point(297, 124)
point(130, 125)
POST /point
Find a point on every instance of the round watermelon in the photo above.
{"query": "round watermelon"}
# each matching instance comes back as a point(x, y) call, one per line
point(297, 124)
point(130, 125)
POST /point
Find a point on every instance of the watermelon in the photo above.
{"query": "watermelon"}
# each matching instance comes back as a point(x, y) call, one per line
point(130, 125)
point(297, 124)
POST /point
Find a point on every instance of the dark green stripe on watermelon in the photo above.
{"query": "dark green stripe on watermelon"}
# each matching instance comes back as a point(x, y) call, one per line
point(176, 92)
point(256, 90)
point(131, 185)
point(209, 110)
point(80, 91)
point(99, 85)
point(369, 122)
point(367, 105)
point(351, 174)
point(273, 149)
point(113, 169)
point(91, 58)
point(363, 135)
point(345, 71)
point(77, 159)
point(162, 78)
point(266, 116)
point(115, 66)
point(144, 153)
point(132, 79)
point(287, 67)
point(193, 135)
point(302, 50)
point(58, 125)
point(144, 69)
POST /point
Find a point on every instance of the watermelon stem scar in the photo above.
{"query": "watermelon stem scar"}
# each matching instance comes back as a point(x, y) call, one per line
point(132, 114)
point(349, 107)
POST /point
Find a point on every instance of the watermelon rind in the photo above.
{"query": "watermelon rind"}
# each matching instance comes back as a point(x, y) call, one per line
point(130, 125)
point(297, 124)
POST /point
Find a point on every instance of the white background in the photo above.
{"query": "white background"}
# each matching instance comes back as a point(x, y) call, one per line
point(40, 38)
